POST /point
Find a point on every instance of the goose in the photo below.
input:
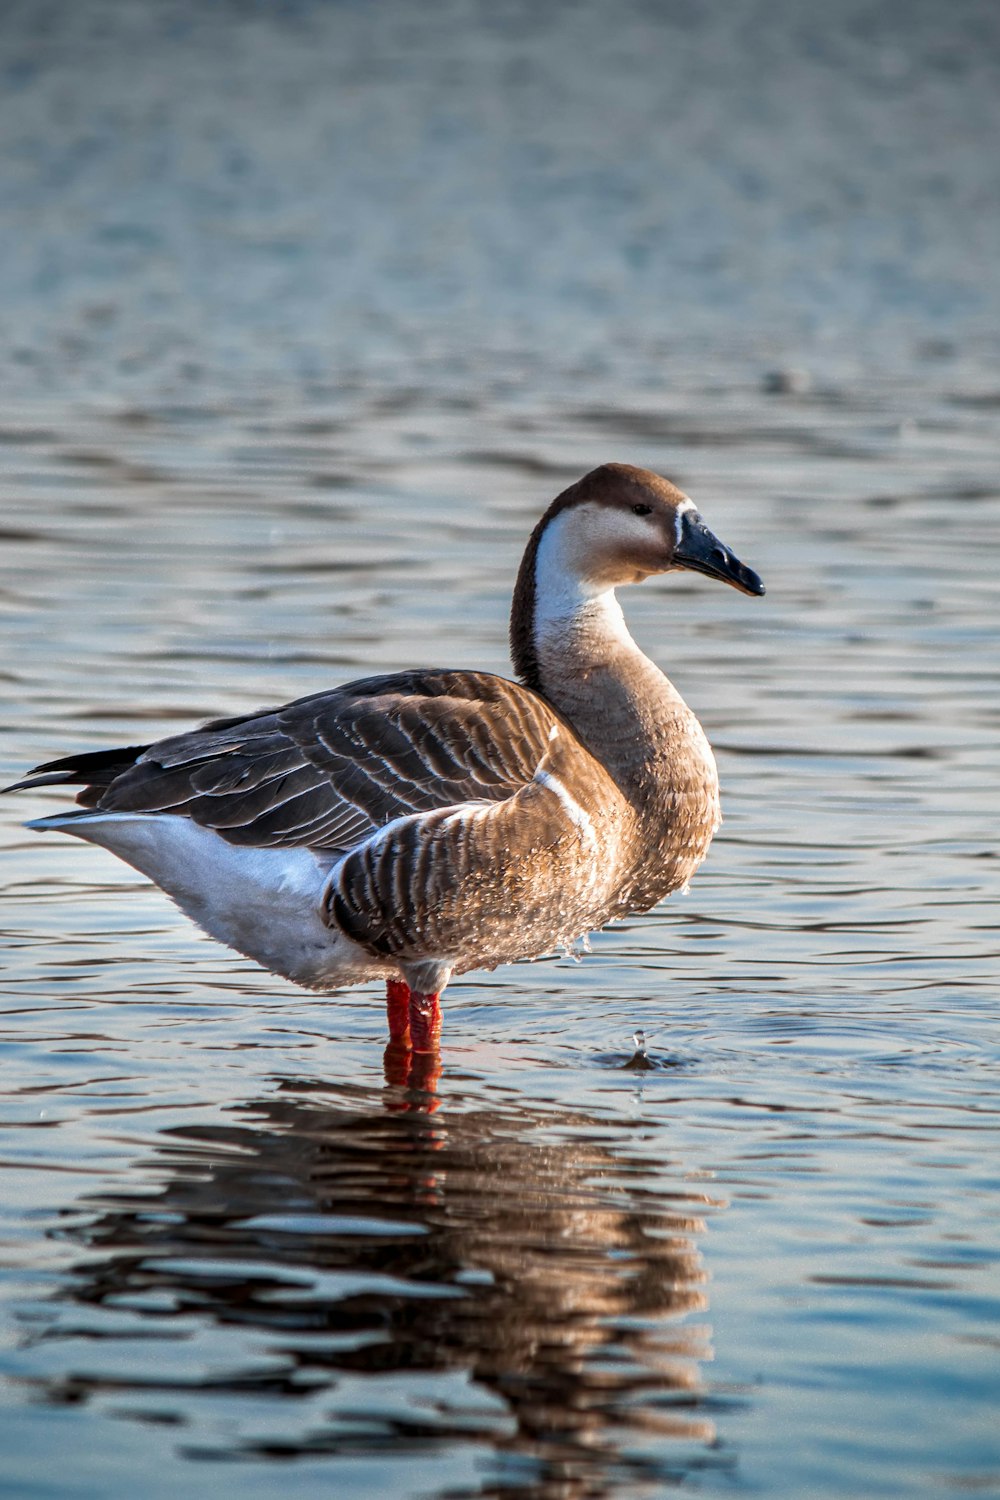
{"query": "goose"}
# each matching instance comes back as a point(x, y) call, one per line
point(420, 824)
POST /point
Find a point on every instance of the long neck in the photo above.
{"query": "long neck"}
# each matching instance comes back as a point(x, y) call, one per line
point(569, 641)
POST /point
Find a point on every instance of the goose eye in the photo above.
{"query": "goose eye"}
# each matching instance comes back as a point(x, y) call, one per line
point(642, 510)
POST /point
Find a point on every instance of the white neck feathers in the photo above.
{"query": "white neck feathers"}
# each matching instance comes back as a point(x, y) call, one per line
point(567, 595)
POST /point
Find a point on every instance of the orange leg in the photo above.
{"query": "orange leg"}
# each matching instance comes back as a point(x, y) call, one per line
point(425, 1022)
point(413, 1057)
point(397, 1006)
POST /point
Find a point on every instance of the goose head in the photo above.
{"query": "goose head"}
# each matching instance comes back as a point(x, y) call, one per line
point(616, 525)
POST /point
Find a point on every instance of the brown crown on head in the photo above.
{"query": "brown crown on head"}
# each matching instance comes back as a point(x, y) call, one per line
point(618, 486)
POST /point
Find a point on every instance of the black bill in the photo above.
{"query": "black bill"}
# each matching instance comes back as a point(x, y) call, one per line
point(702, 552)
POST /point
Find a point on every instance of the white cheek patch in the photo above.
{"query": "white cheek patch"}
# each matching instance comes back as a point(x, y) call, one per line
point(570, 545)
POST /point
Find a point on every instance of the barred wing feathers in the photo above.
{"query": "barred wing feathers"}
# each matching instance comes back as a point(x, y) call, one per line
point(327, 771)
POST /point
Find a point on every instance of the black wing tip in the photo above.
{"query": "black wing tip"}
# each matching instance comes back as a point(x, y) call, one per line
point(89, 768)
point(35, 778)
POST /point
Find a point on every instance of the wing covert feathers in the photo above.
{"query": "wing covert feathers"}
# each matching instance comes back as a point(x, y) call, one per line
point(473, 884)
point(330, 770)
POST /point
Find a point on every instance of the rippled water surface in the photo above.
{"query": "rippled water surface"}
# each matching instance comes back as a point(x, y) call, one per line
point(769, 1261)
point(244, 1256)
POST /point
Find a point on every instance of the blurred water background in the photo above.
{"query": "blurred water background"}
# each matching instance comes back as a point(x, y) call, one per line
point(306, 311)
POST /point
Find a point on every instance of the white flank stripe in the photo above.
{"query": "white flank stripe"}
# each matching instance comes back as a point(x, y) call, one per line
point(580, 820)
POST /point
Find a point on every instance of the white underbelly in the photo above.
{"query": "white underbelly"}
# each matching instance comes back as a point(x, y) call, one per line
point(265, 903)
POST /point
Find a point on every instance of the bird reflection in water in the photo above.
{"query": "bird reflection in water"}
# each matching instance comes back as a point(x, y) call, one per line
point(417, 1071)
point(377, 1243)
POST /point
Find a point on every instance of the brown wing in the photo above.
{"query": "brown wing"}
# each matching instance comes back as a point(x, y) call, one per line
point(485, 882)
point(328, 770)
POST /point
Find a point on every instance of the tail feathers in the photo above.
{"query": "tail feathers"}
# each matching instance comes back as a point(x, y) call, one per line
point(62, 822)
point(94, 770)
